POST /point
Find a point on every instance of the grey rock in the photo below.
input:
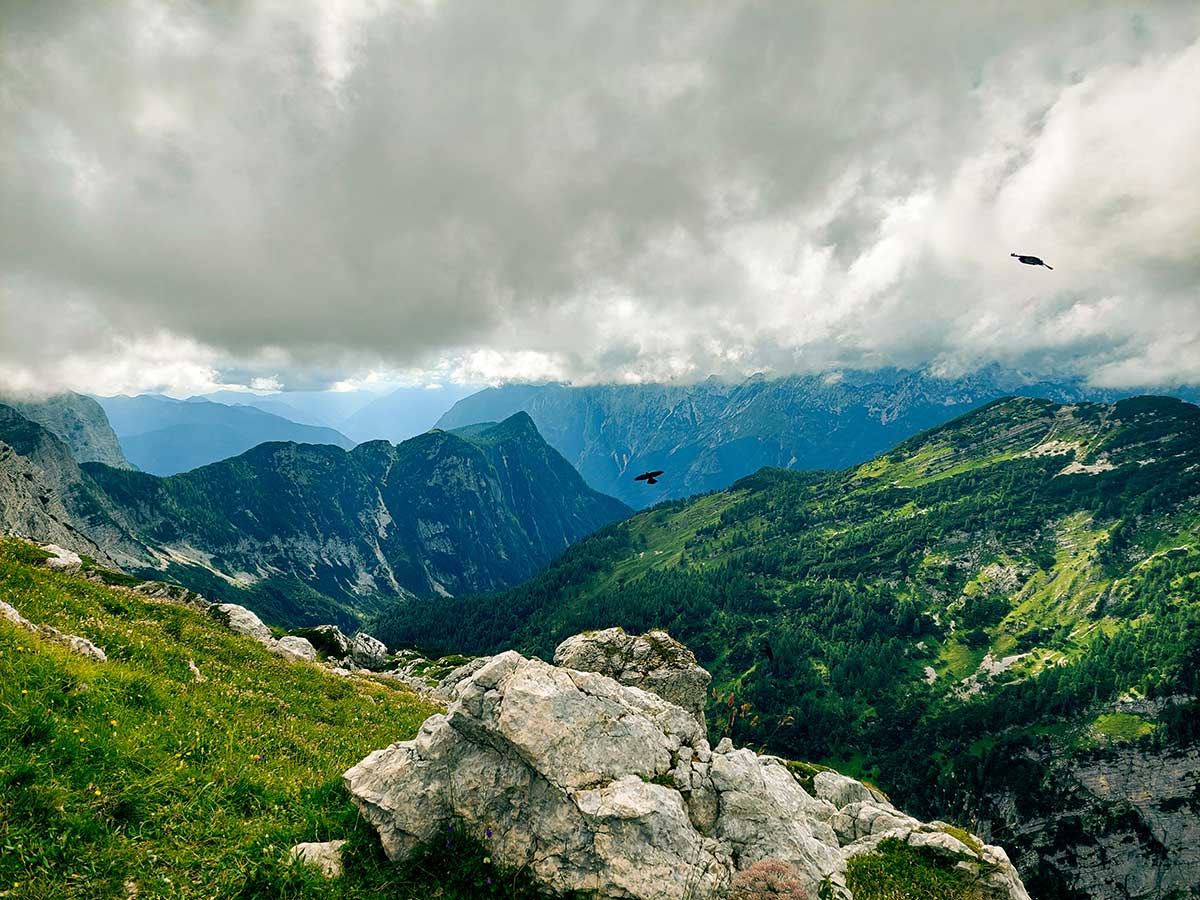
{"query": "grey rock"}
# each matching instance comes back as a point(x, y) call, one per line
point(243, 621)
point(653, 661)
point(599, 787)
point(330, 639)
point(295, 648)
point(80, 645)
point(61, 559)
point(369, 652)
point(325, 856)
point(840, 790)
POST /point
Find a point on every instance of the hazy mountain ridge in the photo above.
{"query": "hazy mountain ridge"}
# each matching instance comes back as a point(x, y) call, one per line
point(164, 436)
point(966, 618)
point(710, 434)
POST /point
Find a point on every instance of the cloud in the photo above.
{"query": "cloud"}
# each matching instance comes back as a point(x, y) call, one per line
point(308, 192)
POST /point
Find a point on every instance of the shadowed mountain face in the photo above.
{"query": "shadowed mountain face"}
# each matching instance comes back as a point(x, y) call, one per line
point(708, 435)
point(79, 422)
point(998, 619)
point(309, 533)
point(163, 436)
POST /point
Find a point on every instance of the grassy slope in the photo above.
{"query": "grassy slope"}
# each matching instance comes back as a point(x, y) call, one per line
point(130, 771)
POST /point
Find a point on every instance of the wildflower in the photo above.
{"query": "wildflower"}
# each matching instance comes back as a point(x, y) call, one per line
point(24, 692)
point(97, 792)
point(112, 722)
point(488, 832)
point(487, 860)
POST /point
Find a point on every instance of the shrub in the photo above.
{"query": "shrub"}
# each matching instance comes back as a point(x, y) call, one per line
point(768, 879)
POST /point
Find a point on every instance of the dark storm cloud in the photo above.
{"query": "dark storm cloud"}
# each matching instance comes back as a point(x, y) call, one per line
point(594, 189)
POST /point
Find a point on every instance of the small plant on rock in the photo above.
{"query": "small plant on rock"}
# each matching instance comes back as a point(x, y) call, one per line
point(768, 879)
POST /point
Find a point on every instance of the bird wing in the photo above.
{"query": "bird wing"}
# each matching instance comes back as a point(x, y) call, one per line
point(656, 474)
point(644, 476)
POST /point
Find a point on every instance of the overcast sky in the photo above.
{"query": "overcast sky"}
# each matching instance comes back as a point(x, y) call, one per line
point(303, 193)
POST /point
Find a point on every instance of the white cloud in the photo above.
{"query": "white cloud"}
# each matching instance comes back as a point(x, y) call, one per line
point(373, 192)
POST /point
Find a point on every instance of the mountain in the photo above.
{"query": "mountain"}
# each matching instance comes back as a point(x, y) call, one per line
point(276, 404)
point(998, 621)
point(708, 435)
point(308, 533)
point(31, 501)
point(164, 436)
point(79, 422)
point(326, 408)
point(404, 412)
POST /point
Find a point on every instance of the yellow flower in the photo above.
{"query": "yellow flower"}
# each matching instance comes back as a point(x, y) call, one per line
point(112, 722)
point(97, 792)
point(24, 692)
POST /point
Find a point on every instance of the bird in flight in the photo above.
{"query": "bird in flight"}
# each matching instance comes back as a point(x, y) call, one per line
point(1032, 260)
point(649, 477)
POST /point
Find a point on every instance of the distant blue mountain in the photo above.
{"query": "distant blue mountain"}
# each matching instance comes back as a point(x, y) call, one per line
point(164, 436)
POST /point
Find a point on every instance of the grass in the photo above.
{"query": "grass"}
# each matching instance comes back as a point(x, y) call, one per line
point(900, 872)
point(1120, 727)
point(131, 773)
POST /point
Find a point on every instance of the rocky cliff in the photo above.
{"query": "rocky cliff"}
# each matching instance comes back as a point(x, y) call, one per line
point(79, 422)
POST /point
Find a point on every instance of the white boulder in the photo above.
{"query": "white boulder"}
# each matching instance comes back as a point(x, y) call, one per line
point(369, 652)
point(596, 786)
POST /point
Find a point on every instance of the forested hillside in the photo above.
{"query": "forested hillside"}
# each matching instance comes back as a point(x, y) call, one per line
point(948, 617)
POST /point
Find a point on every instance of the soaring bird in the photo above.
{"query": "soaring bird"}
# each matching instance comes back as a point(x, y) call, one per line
point(649, 477)
point(1032, 260)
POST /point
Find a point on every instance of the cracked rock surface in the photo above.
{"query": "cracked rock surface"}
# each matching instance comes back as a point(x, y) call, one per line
point(600, 786)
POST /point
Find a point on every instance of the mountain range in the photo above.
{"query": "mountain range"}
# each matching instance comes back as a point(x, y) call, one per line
point(708, 435)
point(308, 533)
point(164, 436)
point(998, 621)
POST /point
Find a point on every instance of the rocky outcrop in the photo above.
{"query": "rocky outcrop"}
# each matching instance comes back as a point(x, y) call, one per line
point(653, 661)
point(368, 652)
point(80, 645)
point(596, 786)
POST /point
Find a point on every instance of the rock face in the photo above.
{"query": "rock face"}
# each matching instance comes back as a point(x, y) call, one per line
point(1148, 796)
point(654, 661)
point(325, 856)
point(296, 648)
point(61, 559)
point(368, 652)
point(601, 787)
point(79, 422)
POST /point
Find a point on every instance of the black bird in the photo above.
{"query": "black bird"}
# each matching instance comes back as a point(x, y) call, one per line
point(649, 477)
point(1032, 260)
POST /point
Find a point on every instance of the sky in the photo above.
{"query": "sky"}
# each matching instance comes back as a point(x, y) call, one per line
point(306, 193)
